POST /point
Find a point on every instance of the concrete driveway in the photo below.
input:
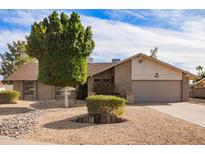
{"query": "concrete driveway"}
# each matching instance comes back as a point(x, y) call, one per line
point(194, 113)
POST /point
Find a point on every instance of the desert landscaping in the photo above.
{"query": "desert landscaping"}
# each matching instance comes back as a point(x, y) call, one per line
point(51, 123)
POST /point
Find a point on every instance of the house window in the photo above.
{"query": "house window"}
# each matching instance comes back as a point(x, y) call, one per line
point(60, 92)
point(28, 89)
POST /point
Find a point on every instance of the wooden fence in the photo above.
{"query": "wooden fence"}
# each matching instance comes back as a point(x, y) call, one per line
point(198, 92)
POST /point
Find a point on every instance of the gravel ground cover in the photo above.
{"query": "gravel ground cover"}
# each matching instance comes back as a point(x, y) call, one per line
point(19, 124)
point(143, 126)
point(9, 110)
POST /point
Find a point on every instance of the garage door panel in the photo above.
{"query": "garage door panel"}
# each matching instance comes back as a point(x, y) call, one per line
point(156, 91)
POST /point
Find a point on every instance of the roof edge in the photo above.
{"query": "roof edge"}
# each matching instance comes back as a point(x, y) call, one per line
point(190, 75)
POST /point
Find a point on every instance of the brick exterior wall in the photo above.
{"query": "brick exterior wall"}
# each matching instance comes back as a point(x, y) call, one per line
point(45, 91)
point(123, 77)
point(42, 91)
point(185, 87)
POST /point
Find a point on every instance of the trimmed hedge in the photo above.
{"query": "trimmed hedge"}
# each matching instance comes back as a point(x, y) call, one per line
point(9, 96)
point(98, 104)
point(105, 88)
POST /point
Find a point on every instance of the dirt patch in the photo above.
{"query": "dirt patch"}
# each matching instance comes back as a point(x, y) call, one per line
point(143, 126)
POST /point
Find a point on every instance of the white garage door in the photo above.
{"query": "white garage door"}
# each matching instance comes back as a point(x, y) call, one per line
point(156, 91)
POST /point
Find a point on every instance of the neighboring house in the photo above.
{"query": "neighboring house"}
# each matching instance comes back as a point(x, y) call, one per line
point(5, 87)
point(200, 84)
point(145, 78)
point(198, 89)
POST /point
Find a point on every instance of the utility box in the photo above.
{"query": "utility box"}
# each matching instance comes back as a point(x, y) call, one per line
point(130, 98)
point(90, 93)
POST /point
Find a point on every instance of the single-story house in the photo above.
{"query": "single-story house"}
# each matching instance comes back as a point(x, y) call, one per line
point(25, 80)
point(144, 78)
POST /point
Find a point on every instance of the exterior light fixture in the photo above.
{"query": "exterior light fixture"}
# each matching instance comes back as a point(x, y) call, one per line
point(140, 59)
point(156, 75)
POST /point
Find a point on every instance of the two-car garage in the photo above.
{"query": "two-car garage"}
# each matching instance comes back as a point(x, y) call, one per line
point(157, 91)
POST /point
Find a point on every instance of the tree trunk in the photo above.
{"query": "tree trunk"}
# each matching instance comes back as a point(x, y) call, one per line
point(66, 96)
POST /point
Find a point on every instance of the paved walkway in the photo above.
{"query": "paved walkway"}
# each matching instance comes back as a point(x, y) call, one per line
point(194, 113)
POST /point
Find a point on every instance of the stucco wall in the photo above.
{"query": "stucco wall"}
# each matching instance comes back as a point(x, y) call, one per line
point(18, 86)
point(147, 69)
point(123, 77)
point(45, 91)
point(108, 74)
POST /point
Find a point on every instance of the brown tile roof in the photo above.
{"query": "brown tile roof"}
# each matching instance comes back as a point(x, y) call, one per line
point(29, 71)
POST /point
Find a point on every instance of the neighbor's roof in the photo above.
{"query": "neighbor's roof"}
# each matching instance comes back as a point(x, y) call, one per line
point(190, 75)
point(202, 80)
point(29, 71)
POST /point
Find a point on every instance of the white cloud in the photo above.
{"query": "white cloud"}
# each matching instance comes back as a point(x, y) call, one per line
point(115, 39)
point(23, 17)
point(7, 36)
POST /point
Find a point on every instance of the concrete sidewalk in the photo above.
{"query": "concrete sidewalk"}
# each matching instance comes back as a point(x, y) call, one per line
point(194, 113)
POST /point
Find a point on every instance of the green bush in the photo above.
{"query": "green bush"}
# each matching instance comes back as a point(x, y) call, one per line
point(98, 104)
point(9, 96)
point(105, 88)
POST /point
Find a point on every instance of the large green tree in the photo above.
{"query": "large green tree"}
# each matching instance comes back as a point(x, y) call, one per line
point(61, 45)
point(14, 58)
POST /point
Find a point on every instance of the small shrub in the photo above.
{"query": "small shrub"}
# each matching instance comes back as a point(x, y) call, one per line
point(9, 96)
point(98, 104)
point(103, 88)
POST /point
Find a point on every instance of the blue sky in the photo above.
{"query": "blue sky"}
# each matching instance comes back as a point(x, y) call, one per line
point(179, 34)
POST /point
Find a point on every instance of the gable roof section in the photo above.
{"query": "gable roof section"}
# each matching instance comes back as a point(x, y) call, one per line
point(190, 75)
point(202, 80)
point(29, 71)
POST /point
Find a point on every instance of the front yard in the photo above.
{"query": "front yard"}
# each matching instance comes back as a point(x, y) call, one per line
point(143, 126)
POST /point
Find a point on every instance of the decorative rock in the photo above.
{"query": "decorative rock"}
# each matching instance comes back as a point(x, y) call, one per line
point(99, 119)
point(19, 124)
